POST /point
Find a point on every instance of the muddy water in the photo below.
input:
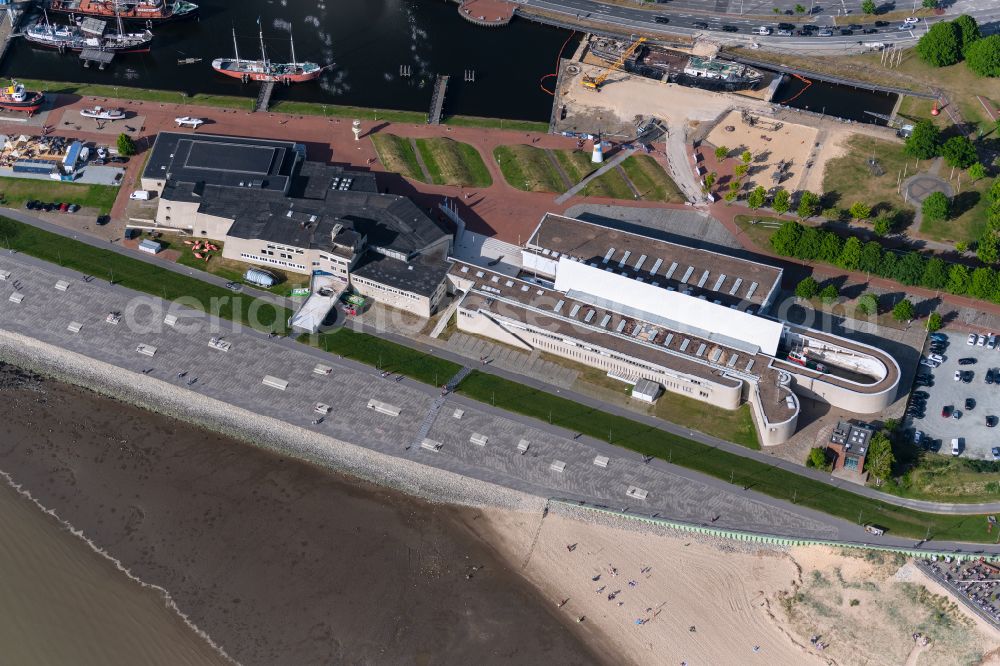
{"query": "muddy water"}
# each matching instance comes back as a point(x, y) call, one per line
point(277, 561)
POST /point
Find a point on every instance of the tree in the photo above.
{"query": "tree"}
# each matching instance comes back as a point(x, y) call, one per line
point(958, 280)
point(880, 460)
point(757, 197)
point(977, 171)
point(809, 204)
point(868, 6)
point(721, 153)
point(988, 248)
point(936, 207)
point(816, 458)
point(983, 284)
point(850, 256)
point(860, 210)
point(799, 9)
point(883, 225)
point(961, 247)
point(781, 201)
point(126, 147)
point(910, 269)
point(925, 141)
point(887, 266)
point(734, 186)
point(807, 288)
point(740, 170)
point(935, 321)
point(983, 56)
point(829, 293)
point(993, 194)
point(830, 247)
point(731, 196)
point(809, 244)
point(868, 303)
point(786, 238)
point(903, 311)
point(746, 157)
point(929, 4)
point(959, 152)
point(871, 257)
point(710, 180)
point(968, 31)
point(941, 45)
point(935, 274)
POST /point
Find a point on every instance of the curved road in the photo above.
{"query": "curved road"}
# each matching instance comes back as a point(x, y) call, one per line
point(692, 17)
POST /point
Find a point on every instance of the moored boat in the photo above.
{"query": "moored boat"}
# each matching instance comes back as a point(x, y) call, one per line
point(264, 69)
point(100, 113)
point(156, 11)
point(16, 97)
point(91, 35)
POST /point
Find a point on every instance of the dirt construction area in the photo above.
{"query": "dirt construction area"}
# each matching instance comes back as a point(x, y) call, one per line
point(772, 143)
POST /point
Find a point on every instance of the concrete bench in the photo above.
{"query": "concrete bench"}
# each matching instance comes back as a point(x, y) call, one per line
point(147, 350)
point(74, 327)
point(479, 440)
point(113, 318)
point(522, 446)
point(321, 369)
point(170, 320)
point(601, 461)
point(636, 493)
point(274, 382)
point(16, 297)
point(383, 407)
point(4, 276)
point(557, 466)
point(62, 285)
point(431, 445)
point(322, 408)
point(458, 413)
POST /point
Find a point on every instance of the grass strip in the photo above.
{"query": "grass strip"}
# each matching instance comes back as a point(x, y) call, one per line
point(142, 94)
point(141, 276)
point(527, 168)
point(18, 190)
point(386, 355)
point(453, 162)
point(738, 470)
point(396, 154)
point(651, 180)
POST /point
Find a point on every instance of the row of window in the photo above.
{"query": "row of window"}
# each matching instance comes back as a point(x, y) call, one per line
point(391, 290)
point(269, 260)
point(293, 250)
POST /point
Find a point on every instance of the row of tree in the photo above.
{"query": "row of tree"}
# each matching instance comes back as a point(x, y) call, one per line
point(949, 42)
point(793, 239)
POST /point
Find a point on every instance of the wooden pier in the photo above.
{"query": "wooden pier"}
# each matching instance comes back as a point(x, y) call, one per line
point(437, 100)
point(102, 58)
point(264, 98)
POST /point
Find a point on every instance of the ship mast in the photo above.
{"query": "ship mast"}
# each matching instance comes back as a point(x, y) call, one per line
point(263, 53)
point(121, 28)
point(292, 39)
point(236, 48)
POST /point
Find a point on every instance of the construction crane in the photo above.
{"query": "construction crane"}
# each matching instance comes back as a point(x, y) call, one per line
point(595, 83)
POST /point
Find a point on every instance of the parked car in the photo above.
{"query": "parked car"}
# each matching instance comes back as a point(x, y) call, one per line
point(982, 340)
point(869, 31)
point(966, 361)
point(74, 207)
point(922, 395)
point(957, 414)
point(825, 33)
point(958, 375)
point(786, 26)
point(989, 376)
point(967, 376)
point(234, 286)
point(937, 358)
point(938, 337)
point(946, 411)
point(700, 25)
point(992, 341)
point(661, 19)
point(63, 207)
point(972, 339)
point(846, 31)
point(991, 421)
point(103, 219)
point(730, 28)
point(784, 33)
point(918, 436)
point(762, 30)
point(911, 20)
point(930, 363)
point(956, 447)
point(881, 24)
point(996, 452)
point(970, 404)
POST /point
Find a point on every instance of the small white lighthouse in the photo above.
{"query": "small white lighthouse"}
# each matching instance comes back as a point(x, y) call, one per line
point(356, 128)
point(598, 155)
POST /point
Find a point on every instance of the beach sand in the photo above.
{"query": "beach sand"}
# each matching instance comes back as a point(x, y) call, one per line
point(747, 604)
point(277, 561)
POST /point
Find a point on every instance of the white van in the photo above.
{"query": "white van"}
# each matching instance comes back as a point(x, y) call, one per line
point(141, 195)
point(955, 448)
point(763, 30)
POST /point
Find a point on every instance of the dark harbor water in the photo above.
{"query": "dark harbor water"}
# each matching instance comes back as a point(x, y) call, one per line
point(367, 40)
point(835, 100)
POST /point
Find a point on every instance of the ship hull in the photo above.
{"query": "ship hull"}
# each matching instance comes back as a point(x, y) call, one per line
point(229, 68)
point(156, 17)
point(29, 106)
point(66, 46)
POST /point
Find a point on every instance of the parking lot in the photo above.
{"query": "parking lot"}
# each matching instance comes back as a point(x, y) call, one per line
point(970, 427)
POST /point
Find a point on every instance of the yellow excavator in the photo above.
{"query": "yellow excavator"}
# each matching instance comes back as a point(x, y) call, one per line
point(595, 83)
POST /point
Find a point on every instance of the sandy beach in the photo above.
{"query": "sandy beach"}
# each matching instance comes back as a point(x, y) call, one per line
point(276, 560)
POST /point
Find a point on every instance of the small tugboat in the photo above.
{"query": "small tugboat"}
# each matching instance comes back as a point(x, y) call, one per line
point(91, 34)
point(265, 70)
point(16, 97)
point(156, 11)
point(801, 359)
point(100, 113)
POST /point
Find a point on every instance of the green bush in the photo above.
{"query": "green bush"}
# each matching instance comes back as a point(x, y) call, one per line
point(817, 458)
point(983, 56)
point(868, 303)
point(959, 152)
point(936, 207)
point(925, 141)
point(807, 288)
point(903, 311)
point(941, 45)
point(934, 322)
point(126, 147)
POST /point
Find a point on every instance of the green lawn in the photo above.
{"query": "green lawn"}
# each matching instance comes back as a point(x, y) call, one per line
point(610, 184)
point(497, 123)
point(528, 168)
point(143, 94)
point(453, 163)
point(731, 425)
point(576, 164)
point(741, 471)
point(651, 180)
point(386, 355)
point(18, 190)
point(141, 276)
point(396, 154)
point(849, 179)
point(942, 478)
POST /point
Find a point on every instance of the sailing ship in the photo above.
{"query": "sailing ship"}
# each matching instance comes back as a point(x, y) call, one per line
point(156, 11)
point(264, 69)
point(16, 97)
point(90, 35)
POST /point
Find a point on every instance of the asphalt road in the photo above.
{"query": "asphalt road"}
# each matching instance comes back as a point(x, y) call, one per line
point(691, 17)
